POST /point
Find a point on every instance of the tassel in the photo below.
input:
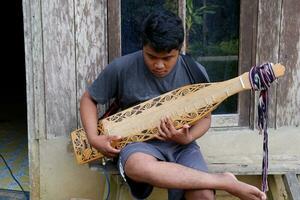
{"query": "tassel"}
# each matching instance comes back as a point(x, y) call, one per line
point(260, 78)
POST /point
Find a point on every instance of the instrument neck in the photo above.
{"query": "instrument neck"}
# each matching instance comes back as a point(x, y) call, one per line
point(230, 87)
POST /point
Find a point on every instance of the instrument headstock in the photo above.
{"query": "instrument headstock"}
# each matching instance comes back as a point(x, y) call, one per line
point(278, 69)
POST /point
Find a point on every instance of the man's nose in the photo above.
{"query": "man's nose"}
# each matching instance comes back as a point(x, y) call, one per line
point(159, 64)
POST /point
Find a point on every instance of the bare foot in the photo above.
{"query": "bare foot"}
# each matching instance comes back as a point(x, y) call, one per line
point(242, 190)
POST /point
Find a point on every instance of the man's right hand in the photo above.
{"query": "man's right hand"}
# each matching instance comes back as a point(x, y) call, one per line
point(103, 144)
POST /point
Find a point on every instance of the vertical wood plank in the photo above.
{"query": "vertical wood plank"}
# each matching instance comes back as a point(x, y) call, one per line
point(114, 29)
point(288, 98)
point(292, 185)
point(277, 188)
point(247, 49)
point(59, 66)
point(182, 15)
point(38, 70)
point(34, 89)
point(268, 32)
point(91, 42)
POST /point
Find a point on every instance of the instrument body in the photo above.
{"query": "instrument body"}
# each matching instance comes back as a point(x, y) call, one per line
point(185, 105)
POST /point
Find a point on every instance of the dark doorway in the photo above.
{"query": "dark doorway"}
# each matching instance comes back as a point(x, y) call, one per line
point(13, 120)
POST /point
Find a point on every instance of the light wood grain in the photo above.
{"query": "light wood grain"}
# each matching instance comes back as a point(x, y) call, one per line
point(59, 66)
point(268, 35)
point(90, 43)
point(288, 98)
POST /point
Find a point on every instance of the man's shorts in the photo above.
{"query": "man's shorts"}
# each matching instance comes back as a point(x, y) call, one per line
point(188, 155)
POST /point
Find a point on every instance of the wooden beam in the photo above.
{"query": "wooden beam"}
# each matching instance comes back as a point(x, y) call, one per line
point(182, 15)
point(32, 20)
point(114, 29)
point(292, 186)
point(247, 52)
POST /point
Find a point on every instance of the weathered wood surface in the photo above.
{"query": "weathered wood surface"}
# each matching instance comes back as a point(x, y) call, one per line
point(292, 186)
point(34, 89)
point(278, 40)
point(59, 66)
point(276, 187)
point(288, 98)
point(268, 33)
point(246, 56)
point(90, 44)
point(182, 15)
point(114, 29)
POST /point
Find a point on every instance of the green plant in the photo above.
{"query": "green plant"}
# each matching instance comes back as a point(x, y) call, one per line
point(195, 16)
point(222, 48)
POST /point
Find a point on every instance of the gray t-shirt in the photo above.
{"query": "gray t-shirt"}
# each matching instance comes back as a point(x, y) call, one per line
point(130, 81)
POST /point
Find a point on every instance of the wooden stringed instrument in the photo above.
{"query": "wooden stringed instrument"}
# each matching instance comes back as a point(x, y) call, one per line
point(185, 105)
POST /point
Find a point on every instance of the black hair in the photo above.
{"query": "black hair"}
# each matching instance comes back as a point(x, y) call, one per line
point(163, 31)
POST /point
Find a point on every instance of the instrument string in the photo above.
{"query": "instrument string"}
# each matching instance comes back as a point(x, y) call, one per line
point(260, 78)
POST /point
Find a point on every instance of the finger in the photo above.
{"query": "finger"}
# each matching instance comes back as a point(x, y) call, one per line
point(114, 137)
point(161, 133)
point(113, 150)
point(111, 155)
point(164, 128)
point(170, 125)
point(186, 128)
point(159, 137)
point(263, 196)
point(105, 153)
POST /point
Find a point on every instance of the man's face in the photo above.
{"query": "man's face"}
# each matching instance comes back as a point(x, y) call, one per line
point(160, 64)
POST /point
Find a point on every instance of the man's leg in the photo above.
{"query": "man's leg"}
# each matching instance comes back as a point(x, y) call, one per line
point(199, 194)
point(189, 156)
point(145, 168)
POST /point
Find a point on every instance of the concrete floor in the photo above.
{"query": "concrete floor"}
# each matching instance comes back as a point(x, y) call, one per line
point(14, 147)
point(12, 195)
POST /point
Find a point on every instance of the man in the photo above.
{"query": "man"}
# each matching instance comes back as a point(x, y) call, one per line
point(173, 160)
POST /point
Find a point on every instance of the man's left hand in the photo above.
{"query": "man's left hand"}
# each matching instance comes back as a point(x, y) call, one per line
point(168, 132)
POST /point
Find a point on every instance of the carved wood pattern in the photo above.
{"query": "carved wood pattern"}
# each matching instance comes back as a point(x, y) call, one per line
point(156, 102)
point(84, 152)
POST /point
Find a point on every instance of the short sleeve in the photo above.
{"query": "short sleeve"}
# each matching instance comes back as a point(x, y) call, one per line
point(105, 86)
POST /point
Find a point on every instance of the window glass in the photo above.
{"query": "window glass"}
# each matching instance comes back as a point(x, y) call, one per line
point(133, 12)
point(212, 29)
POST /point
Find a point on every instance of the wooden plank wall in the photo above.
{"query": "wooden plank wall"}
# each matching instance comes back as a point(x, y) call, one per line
point(278, 40)
point(74, 45)
point(288, 100)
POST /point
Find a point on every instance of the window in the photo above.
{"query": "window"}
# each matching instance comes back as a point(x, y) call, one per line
point(212, 31)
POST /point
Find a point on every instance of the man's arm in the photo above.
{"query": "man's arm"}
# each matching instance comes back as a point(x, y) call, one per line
point(201, 127)
point(88, 114)
point(186, 134)
point(89, 118)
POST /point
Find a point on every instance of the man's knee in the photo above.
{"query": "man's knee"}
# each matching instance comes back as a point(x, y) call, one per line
point(138, 165)
point(199, 194)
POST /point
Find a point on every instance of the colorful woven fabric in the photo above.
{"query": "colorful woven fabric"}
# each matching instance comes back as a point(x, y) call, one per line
point(260, 78)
